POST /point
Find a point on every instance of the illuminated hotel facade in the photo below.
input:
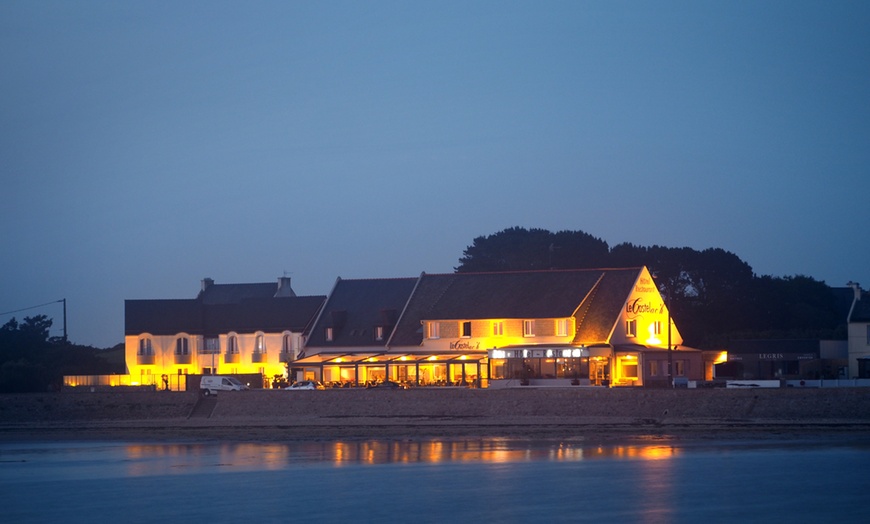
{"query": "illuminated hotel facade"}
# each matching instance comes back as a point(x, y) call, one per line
point(231, 329)
point(606, 327)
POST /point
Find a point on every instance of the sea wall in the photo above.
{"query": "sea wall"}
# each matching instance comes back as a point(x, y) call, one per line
point(841, 404)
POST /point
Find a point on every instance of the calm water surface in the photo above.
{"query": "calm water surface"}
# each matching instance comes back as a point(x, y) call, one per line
point(484, 480)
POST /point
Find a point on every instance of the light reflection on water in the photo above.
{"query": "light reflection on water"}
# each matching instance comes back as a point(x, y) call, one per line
point(509, 480)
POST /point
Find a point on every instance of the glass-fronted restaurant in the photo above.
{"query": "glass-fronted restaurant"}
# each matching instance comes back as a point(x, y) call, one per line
point(346, 369)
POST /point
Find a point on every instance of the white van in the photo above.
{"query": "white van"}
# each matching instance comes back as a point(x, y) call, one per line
point(211, 384)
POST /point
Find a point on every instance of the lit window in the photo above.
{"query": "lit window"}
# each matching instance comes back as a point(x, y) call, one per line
point(182, 346)
point(466, 329)
point(232, 346)
point(528, 328)
point(145, 347)
point(497, 329)
point(260, 344)
point(562, 327)
point(329, 334)
point(434, 330)
point(657, 327)
point(379, 332)
point(631, 328)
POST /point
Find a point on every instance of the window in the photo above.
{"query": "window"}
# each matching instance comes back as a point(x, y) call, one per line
point(528, 328)
point(654, 368)
point(329, 334)
point(657, 327)
point(286, 344)
point(232, 346)
point(182, 346)
point(434, 330)
point(379, 332)
point(680, 368)
point(631, 328)
point(868, 334)
point(212, 345)
point(466, 329)
point(562, 327)
point(498, 329)
point(260, 344)
point(145, 347)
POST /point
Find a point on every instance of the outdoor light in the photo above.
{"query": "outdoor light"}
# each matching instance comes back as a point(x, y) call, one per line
point(549, 353)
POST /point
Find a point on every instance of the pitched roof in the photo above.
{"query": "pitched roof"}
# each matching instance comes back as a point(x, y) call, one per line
point(601, 308)
point(861, 311)
point(222, 308)
point(355, 307)
point(526, 294)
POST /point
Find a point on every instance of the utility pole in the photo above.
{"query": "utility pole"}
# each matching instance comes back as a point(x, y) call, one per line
point(65, 339)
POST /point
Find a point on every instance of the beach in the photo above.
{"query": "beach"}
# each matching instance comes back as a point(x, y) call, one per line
point(592, 413)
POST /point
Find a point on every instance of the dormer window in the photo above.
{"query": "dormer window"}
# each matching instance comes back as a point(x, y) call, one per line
point(379, 332)
point(497, 329)
point(562, 327)
point(466, 329)
point(434, 330)
point(329, 334)
point(145, 347)
point(528, 328)
point(260, 344)
point(182, 346)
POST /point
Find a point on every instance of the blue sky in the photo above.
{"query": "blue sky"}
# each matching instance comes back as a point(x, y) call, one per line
point(147, 145)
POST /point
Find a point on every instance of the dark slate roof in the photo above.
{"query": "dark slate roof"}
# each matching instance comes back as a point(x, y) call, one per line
point(197, 317)
point(162, 317)
point(235, 293)
point(355, 307)
point(601, 308)
point(861, 312)
point(526, 294)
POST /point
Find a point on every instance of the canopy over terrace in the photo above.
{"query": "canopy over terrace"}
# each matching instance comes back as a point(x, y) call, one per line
point(355, 369)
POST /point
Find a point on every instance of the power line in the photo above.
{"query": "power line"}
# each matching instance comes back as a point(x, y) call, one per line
point(32, 307)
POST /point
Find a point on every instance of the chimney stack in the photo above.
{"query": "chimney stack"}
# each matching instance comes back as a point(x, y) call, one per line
point(206, 283)
point(284, 289)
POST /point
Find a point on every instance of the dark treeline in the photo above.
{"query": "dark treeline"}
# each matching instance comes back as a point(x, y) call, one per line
point(31, 361)
point(714, 295)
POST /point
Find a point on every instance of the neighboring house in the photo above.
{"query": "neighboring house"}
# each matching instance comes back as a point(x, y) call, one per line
point(859, 333)
point(227, 329)
point(595, 326)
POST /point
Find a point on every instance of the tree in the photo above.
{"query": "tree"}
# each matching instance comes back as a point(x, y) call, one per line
point(519, 249)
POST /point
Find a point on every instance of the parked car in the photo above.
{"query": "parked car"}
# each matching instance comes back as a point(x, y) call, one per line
point(305, 385)
point(387, 384)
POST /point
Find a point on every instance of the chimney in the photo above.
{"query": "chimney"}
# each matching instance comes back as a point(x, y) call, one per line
point(206, 283)
point(284, 289)
point(856, 288)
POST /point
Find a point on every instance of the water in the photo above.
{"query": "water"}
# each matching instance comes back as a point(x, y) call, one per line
point(484, 480)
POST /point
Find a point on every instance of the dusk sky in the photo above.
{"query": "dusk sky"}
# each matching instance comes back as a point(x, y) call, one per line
point(147, 145)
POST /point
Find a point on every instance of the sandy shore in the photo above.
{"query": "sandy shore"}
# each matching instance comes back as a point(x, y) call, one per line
point(593, 414)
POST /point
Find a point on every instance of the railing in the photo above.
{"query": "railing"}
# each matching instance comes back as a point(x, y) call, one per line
point(285, 356)
point(182, 359)
point(145, 360)
point(258, 357)
point(231, 358)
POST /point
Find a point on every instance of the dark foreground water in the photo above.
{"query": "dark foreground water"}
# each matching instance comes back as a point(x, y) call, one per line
point(483, 480)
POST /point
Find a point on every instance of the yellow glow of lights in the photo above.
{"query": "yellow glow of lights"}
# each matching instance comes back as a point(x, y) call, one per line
point(339, 360)
point(463, 357)
point(403, 358)
point(433, 357)
point(373, 359)
point(653, 340)
point(723, 357)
